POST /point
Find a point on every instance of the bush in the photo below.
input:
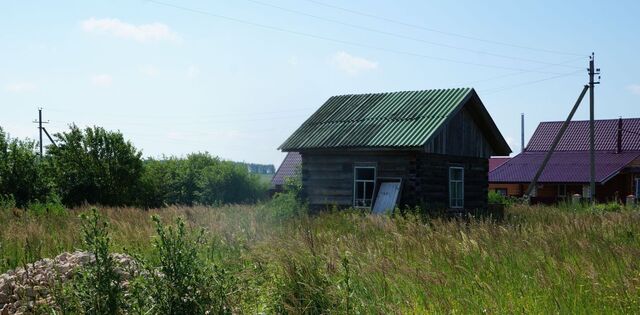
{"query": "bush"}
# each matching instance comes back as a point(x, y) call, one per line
point(97, 289)
point(184, 283)
point(51, 206)
point(7, 202)
point(496, 198)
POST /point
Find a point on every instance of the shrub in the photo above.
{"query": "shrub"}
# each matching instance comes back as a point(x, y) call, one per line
point(52, 206)
point(97, 289)
point(184, 283)
point(7, 202)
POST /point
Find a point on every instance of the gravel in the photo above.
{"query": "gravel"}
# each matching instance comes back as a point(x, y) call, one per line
point(23, 290)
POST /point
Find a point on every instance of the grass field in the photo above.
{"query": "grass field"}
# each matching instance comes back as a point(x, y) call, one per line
point(538, 260)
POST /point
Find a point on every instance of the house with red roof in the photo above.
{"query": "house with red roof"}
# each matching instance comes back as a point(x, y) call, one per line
point(617, 162)
point(290, 167)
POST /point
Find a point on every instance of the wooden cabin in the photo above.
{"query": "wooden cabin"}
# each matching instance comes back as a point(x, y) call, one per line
point(414, 148)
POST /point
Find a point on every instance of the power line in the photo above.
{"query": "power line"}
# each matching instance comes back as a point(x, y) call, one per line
point(515, 73)
point(490, 41)
point(508, 87)
point(330, 39)
point(373, 30)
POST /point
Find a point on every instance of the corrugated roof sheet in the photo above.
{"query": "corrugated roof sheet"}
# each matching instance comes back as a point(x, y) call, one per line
point(496, 161)
point(563, 167)
point(576, 137)
point(288, 168)
point(398, 119)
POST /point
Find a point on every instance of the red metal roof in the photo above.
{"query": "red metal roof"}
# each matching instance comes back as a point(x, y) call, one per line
point(563, 167)
point(576, 137)
point(496, 161)
point(288, 168)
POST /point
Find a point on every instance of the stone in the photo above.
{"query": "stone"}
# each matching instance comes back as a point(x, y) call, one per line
point(4, 298)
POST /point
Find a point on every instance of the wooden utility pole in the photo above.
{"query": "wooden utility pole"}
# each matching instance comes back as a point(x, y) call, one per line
point(41, 129)
point(592, 135)
point(555, 142)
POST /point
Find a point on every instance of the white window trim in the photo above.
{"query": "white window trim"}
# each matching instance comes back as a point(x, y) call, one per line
point(356, 181)
point(456, 181)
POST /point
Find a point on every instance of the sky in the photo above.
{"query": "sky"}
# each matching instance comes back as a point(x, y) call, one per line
point(236, 77)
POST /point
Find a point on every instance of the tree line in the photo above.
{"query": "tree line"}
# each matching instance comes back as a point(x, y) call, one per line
point(97, 166)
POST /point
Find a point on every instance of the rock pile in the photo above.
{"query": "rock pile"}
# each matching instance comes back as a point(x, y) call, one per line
point(22, 290)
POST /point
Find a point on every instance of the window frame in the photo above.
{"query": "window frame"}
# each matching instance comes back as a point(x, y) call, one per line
point(502, 191)
point(637, 192)
point(559, 190)
point(365, 181)
point(461, 182)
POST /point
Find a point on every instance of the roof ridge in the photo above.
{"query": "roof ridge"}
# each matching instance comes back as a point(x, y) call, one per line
point(403, 91)
point(587, 120)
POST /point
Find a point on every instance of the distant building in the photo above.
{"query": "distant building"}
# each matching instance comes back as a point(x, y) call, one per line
point(417, 148)
point(568, 171)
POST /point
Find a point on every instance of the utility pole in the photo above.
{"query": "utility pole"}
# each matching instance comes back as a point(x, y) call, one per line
point(41, 129)
point(592, 157)
point(521, 132)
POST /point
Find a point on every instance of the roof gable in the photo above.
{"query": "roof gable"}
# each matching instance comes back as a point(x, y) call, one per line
point(288, 168)
point(384, 120)
point(576, 137)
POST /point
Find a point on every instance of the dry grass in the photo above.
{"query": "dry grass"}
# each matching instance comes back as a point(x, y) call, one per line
point(539, 260)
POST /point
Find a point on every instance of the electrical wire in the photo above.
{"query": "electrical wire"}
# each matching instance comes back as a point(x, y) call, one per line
point(415, 26)
point(345, 42)
point(508, 87)
point(397, 35)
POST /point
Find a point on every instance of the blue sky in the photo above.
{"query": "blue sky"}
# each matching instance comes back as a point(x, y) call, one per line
point(236, 77)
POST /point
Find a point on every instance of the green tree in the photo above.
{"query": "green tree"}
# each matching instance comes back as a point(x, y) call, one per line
point(96, 166)
point(23, 174)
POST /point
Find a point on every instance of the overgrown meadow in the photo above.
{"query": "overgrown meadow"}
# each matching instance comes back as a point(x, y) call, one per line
point(272, 258)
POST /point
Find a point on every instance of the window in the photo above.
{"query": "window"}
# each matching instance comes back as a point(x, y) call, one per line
point(501, 191)
point(562, 191)
point(637, 188)
point(456, 187)
point(364, 183)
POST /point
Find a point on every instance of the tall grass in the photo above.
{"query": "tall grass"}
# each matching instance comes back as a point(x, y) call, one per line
point(538, 260)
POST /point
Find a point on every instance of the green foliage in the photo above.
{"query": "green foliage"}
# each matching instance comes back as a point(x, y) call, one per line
point(199, 179)
point(52, 206)
point(95, 166)
point(22, 173)
point(285, 205)
point(499, 199)
point(7, 202)
point(97, 288)
point(184, 283)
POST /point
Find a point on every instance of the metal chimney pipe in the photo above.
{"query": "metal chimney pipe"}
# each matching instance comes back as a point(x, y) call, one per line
point(522, 132)
point(619, 147)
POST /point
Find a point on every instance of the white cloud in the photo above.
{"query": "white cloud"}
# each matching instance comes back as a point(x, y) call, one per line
point(634, 88)
point(192, 72)
point(142, 33)
point(149, 71)
point(101, 80)
point(20, 87)
point(352, 65)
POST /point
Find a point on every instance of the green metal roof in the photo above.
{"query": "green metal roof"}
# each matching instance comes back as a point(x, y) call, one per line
point(393, 120)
